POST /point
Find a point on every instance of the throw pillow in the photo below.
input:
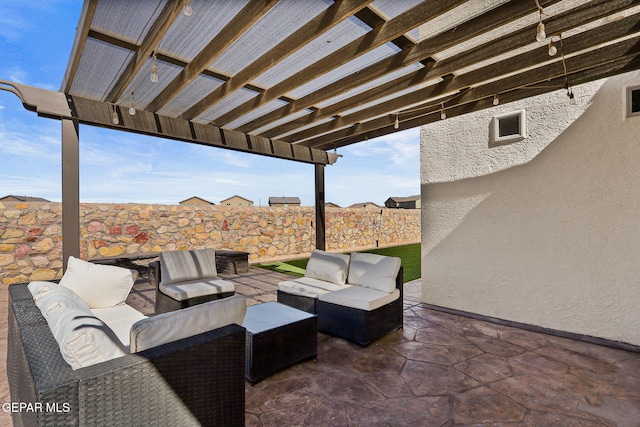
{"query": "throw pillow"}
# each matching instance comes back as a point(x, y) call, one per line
point(328, 266)
point(100, 286)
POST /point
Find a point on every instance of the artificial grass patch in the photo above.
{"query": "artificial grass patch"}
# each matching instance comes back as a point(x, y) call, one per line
point(409, 254)
point(283, 267)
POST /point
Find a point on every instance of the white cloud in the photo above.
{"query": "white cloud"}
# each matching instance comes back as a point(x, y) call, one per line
point(402, 148)
point(227, 157)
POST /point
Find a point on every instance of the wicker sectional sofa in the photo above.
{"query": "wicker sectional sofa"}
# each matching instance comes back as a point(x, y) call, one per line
point(357, 297)
point(185, 380)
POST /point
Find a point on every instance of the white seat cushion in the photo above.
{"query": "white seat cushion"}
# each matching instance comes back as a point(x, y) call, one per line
point(328, 266)
point(196, 288)
point(119, 319)
point(308, 287)
point(84, 339)
point(180, 266)
point(360, 297)
point(174, 325)
point(100, 286)
point(374, 271)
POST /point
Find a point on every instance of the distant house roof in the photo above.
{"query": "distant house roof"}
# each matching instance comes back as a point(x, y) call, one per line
point(13, 198)
point(284, 200)
point(331, 205)
point(365, 205)
point(404, 199)
point(235, 197)
point(196, 199)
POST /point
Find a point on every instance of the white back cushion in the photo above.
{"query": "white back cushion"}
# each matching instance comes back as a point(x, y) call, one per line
point(374, 271)
point(328, 266)
point(57, 299)
point(100, 286)
point(84, 340)
point(179, 266)
point(175, 325)
point(39, 289)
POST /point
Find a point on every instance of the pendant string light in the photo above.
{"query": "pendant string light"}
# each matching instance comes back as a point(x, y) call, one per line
point(541, 35)
point(114, 116)
point(567, 86)
point(187, 10)
point(443, 115)
point(132, 105)
point(396, 125)
point(154, 67)
point(496, 99)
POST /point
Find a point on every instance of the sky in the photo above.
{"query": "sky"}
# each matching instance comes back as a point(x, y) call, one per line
point(119, 167)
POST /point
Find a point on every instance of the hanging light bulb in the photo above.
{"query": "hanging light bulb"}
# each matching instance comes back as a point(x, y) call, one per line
point(540, 34)
point(187, 8)
point(114, 117)
point(496, 99)
point(132, 106)
point(552, 49)
point(443, 115)
point(154, 73)
point(396, 125)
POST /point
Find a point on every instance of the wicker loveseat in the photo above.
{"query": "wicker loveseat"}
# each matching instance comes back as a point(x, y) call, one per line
point(198, 380)
point(357, 297)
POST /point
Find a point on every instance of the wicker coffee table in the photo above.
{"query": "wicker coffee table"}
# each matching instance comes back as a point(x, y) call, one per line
point(277, 336)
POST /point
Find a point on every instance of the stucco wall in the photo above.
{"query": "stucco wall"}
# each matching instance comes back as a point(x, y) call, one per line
point(31, 233)
point(545, 231)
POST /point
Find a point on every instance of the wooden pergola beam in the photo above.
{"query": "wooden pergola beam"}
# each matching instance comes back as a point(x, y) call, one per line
point(376, 37)
point(248, 16)
point(326, 20)
point(86, 16)
point(560, 23)
point(98, 113)
point(536, 57)
point(628, 50)
point(500, 16)
point(603, 71)
point(161, 25)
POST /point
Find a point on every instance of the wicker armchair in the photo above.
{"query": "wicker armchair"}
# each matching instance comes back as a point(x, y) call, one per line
point(198, 271)
point(361, 326)
point(193, 381)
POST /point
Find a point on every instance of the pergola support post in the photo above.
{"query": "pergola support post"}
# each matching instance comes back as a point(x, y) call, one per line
point(70, 190)
point(320, 208)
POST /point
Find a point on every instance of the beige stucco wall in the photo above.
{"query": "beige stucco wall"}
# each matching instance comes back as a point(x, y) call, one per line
point(545, 231)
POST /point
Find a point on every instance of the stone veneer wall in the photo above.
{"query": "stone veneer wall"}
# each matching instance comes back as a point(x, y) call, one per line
point(31, 233)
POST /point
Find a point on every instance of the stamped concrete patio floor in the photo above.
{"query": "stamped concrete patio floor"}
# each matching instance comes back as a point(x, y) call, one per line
point(440, 370)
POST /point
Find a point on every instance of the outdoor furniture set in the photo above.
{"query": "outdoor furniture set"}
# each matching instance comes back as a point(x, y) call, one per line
point(357, 297)
point(277, 335)
point(77, 354)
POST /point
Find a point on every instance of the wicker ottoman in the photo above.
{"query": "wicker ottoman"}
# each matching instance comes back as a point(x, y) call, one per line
point(277, 336)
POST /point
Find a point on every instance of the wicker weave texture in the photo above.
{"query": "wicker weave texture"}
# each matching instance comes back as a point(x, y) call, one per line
point(195, 381)
point(300, 302)
point(361, 326)
point(272, 350)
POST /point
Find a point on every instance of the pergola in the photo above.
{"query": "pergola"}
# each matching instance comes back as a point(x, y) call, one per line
point(297, 79)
